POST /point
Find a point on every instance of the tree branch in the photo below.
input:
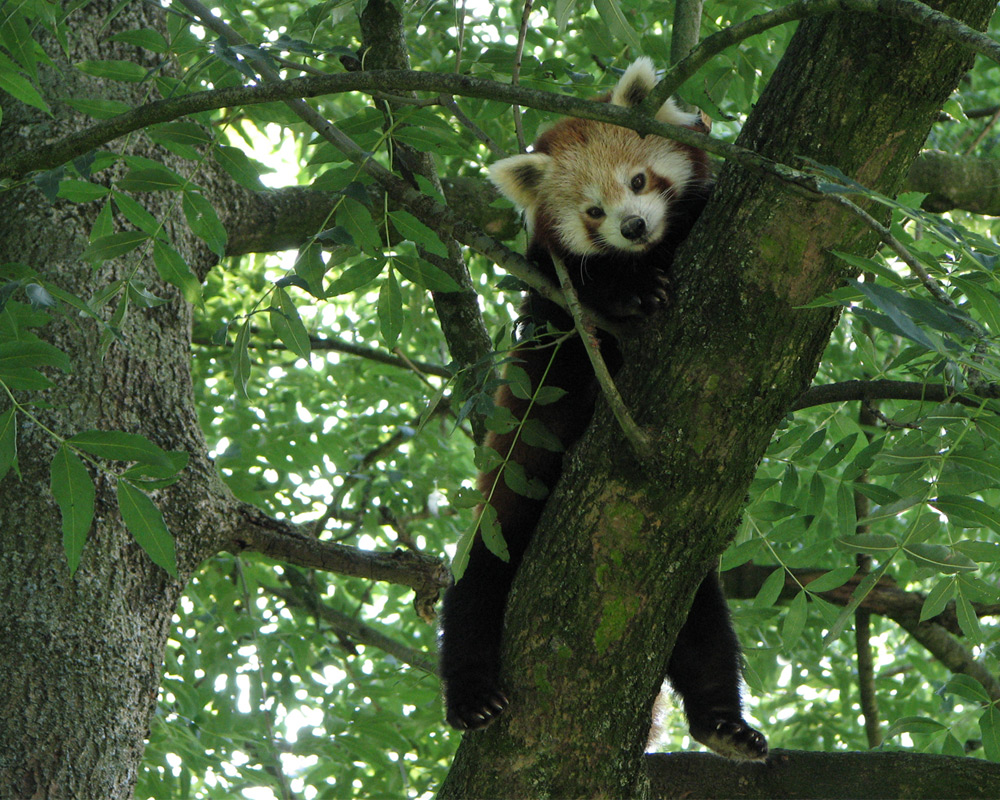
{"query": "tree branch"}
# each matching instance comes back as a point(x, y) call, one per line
point(256, 531)
point(944, 647)
point(803, 775)
point(967, 182)
point(336, 345)
point(290, 217)
point(880, 390)
point(917, 13)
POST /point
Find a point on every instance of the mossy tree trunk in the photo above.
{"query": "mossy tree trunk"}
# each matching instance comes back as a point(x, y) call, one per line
point(622, 545)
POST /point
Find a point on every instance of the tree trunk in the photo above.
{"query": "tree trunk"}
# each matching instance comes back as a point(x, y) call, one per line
point(82, 655)
point(622, 546)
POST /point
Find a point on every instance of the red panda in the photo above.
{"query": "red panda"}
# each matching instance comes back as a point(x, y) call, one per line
point(613, 206)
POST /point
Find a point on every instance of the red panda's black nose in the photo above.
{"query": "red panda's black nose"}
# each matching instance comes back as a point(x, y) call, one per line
point(633, 228)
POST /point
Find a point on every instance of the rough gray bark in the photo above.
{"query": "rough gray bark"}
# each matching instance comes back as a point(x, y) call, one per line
point(82, 656)
point(622, 546)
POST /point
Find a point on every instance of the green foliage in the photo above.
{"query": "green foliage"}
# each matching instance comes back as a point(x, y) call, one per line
point(266, 687)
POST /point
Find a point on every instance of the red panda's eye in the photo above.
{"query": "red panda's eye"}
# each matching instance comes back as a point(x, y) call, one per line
point(638, 182)
point(595, 212)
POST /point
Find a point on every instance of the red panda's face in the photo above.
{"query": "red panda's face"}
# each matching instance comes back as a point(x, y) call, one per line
point(598, 188)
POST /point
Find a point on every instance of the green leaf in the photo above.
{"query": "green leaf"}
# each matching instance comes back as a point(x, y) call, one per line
point(172, 267)
point(25, 379)
point(617, 25)
point(847, 520)
point(15, 34)
point(770, 590)
point(137, 214)
point(534, 433)
point(837, 453)
point(81, 191)
point(981, 552)
point(17, 355)
point(8, 440)
point(240, 166)
point(144, 37)
point(16, 85)
point(914, 725)
point(795, 620)
point(810, 445)
point(390, 310)
point(966, 687)
point(96, 107)
point(120, 446)
point(968, 512)
point(517, 481)
point(937, 598)
point(466, 498)
point(424, 274)
point(983, 301)
point(489, 529)
point(876, 544)
point(967, 619)
point(486, 458)
point(939, 558)
point(241, 361)
point(204, 222)
point(115, 245)
point(409, 227)
point(73, 491)
point(989, 726)
point(151, 179)
point(356, 276)
point(832, 579)
point(357, 221)
point(518, 381)
point(145, 523)
point(114, 70)
point(288, 326)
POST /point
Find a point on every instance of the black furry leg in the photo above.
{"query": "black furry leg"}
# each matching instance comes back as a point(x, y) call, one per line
point(472, 623)
point(704, 670)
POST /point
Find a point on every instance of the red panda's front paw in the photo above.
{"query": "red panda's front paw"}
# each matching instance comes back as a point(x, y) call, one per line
point(646, 301)
point(473, 702)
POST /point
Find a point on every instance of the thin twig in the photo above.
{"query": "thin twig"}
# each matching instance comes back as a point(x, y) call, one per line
point(638, 439)
point(515, 79)
point(983, 132)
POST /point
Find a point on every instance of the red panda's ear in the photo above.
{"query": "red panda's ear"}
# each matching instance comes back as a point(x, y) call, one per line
point(697, 121)
point(520, 177)
point(637, 82)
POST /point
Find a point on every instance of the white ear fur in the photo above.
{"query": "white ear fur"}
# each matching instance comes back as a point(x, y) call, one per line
point(637, 82)
point(519, 177)
point(635, 85)
point(670, 113)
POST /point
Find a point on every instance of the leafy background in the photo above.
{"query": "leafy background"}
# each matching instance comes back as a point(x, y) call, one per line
point(283, 682)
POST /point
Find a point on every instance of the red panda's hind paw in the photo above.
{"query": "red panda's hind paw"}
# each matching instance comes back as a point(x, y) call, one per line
point(732, 738)
point(473, 705)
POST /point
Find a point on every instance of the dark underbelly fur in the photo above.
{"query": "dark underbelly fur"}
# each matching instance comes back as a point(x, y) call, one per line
point(704, 668)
